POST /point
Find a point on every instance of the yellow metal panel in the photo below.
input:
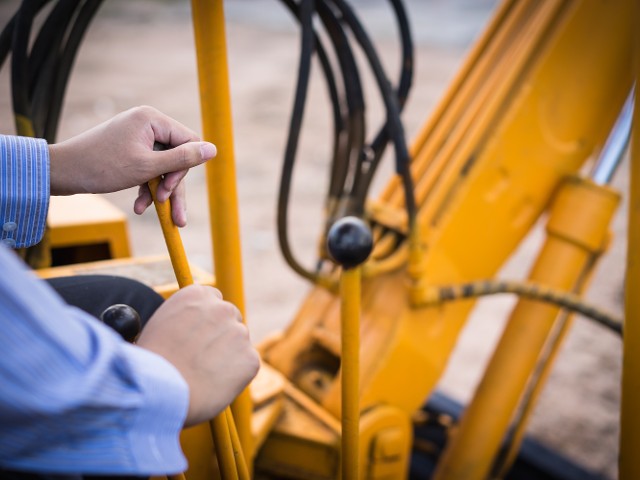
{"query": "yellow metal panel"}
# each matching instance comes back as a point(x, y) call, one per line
point(87, 220)
point(557, 116)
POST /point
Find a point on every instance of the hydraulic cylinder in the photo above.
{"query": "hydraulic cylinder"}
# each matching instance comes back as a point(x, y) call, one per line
point(577, 232)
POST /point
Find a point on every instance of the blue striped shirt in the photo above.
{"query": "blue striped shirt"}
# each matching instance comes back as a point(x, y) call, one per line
point(74, 397)
point(24, 190)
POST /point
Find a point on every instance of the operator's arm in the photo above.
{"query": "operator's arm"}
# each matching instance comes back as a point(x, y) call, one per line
point(112, 156)
point(75, 398)
point(118, 154)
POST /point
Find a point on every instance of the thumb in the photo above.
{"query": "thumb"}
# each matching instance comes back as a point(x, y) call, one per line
point(183, 156)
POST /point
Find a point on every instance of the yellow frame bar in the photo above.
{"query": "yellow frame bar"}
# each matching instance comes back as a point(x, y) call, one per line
point(215, 104)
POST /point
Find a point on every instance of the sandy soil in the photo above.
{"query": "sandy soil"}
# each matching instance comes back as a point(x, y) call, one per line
point(142, 53)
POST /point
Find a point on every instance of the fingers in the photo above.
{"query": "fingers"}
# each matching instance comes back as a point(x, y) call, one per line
point(172, 187)
point(167, 130)
point(169, 184)
point(203, 337)
point(143, 200)
point(184, 151)
point(197, 290)
point(178, 205)
point(182, 157)
point(216, 292)
point(205, 291)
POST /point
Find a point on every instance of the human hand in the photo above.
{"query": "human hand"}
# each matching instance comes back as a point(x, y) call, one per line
point(118, 154)
point(204, 338)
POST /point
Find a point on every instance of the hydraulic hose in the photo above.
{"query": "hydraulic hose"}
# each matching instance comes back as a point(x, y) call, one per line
point(39, 76)
point(354, 99)
point(569, 301)
point(5, 39)
point(347, 105)
point(373, 155)
point(394, 126)
point(20, 68)
point(43, 61)
point(304, 69)
point(49, 39)
point(354, 161)
point(67, 58)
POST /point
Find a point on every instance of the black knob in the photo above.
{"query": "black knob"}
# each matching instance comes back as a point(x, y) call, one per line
point(124, 320)
point(349, 242)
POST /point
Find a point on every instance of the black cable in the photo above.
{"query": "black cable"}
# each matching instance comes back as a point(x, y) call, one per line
point(306, 9)
point(6, 37)
point(340, 121)
point(339, 124)
point(49, 38)
point(345, 162)
point(43, 61)
point(353, 163)
point(39, 77)
point(20, 67)
point(370, 158)
point(349, 138)
point(68, 56)
point(394, 126)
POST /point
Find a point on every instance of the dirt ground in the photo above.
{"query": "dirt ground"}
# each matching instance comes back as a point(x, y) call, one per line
point(142, 52)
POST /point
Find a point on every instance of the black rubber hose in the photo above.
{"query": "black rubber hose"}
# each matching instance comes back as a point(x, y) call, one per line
point(339, 122)
point(49, 39)
point(20, 67)
point(370, 158)
point(347, 141)
point(347, 158)
point(394, 126)
point(85, 15)
point(306, 50)
point(6, 36)
point(44, 61)
point(339, 125)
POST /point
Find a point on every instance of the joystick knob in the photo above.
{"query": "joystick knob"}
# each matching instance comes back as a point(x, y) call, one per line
point(349, 242)
point(124, 320)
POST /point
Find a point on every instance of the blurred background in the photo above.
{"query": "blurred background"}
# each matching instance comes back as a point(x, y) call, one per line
point(142, 52)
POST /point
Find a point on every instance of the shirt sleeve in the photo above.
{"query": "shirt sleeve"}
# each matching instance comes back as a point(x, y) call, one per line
point(24, 190)
point(76, 398)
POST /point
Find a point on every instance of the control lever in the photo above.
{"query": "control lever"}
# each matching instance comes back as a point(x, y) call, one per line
point(124, 320)
point(349, 243)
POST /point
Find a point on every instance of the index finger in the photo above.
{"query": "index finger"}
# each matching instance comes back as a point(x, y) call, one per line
point(169, 131)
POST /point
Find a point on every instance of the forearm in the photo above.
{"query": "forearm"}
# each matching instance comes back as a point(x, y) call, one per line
point(75, 398)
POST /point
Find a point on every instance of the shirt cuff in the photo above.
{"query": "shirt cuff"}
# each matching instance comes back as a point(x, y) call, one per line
point(155, 446)
point(24, 190)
